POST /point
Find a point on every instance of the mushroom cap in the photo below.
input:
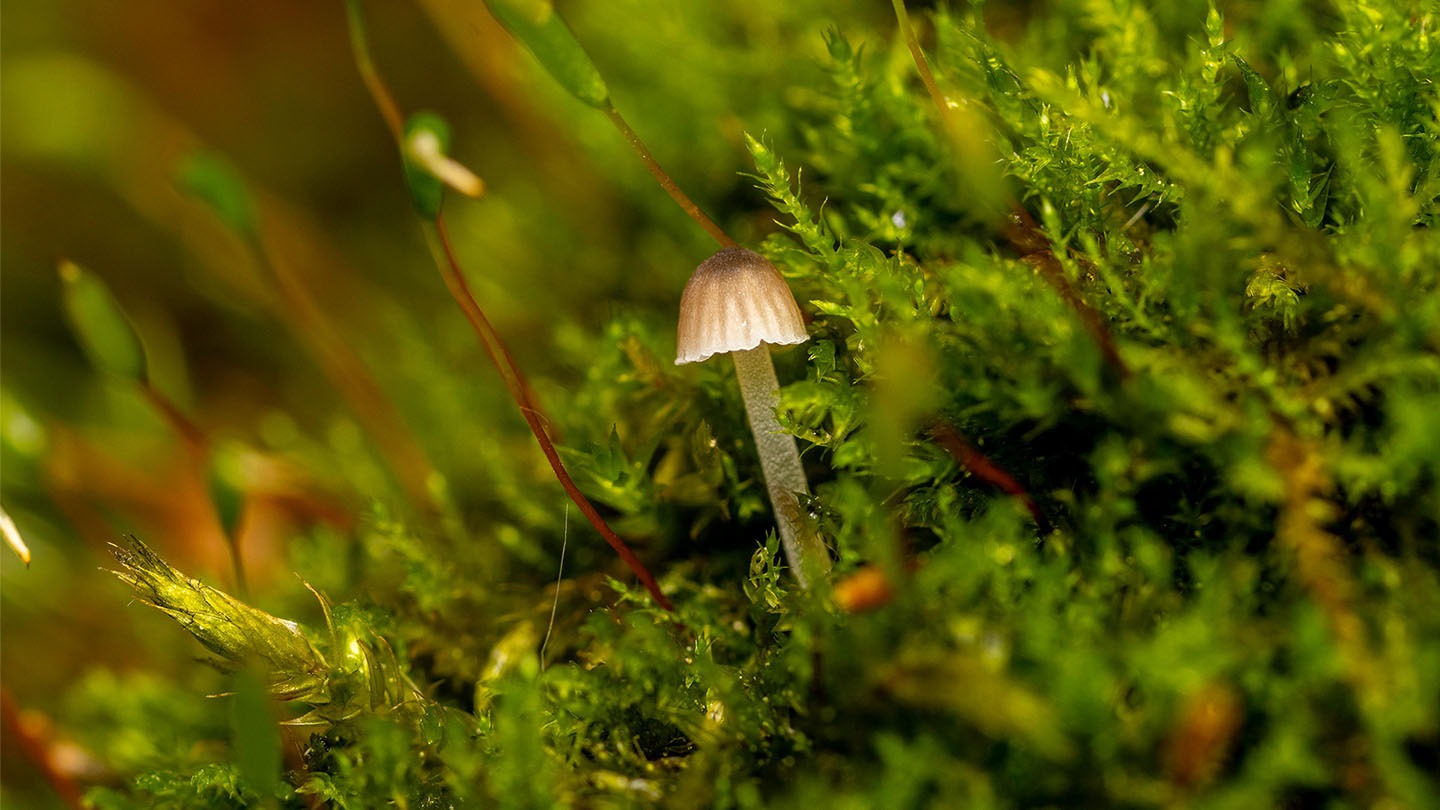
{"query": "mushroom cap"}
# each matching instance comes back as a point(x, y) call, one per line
point(735, 300)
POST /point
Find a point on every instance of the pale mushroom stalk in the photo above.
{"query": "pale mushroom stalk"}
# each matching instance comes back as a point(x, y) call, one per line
point(779, 462)
point(737, 303)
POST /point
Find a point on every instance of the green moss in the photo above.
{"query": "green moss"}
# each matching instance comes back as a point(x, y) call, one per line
point(1134, 444)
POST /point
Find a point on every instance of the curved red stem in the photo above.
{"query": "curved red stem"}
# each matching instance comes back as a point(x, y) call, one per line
point(515, 381)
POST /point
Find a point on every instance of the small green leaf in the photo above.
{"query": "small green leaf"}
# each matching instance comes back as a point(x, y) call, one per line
point(106, 335)
point(1262, 98)
point(1214, 26)
point(545, 34)
point(765, 160)
point(210, 178)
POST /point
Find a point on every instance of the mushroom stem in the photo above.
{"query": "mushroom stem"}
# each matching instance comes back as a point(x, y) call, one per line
point(780, 463)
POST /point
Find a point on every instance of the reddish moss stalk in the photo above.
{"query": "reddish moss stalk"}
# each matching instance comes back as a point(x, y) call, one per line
point(515, 381)
point(986, 470)
point(1026, 236)
point(439, 241)
point(1320, 559)
point(666, 182)
point(197, 444)
point(365, 64)
point(189, 432)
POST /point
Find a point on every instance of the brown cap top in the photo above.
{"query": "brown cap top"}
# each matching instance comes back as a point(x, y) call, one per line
point(735, 300)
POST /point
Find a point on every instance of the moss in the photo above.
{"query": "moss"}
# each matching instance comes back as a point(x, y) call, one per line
point(1119, 412)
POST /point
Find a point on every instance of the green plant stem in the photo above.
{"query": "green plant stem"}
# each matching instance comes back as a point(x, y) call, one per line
point(444, 254)
point(665, 180)
point(237, 561)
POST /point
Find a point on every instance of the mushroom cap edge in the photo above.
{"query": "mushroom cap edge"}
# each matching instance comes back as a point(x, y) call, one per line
point(735, 300)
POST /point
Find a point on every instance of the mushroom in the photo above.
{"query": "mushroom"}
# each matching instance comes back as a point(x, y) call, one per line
point(736, 302)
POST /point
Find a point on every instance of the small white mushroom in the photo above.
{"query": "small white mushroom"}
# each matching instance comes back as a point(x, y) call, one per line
point(736, 302)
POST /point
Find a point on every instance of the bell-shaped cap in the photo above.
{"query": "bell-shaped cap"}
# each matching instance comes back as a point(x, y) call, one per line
point(734, 301)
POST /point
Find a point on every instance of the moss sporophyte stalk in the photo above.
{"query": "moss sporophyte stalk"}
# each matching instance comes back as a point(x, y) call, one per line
point(424, 142)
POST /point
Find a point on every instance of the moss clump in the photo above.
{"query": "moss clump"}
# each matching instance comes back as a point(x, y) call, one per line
point(1119, 411)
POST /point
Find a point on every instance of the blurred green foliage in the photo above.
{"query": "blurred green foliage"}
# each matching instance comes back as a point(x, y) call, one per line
point(1195, 317)
point(103, 331)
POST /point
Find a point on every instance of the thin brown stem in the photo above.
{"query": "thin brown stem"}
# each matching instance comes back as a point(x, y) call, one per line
point(666, 182)
point(459, 288)
point(197, 444)
point(983, 468)
point(192, 434)
point(1090, 317)
point(336, 358)
point(36, 748)
point(357, 384)
point(360, 43)
point(1027, 237)
point(906, 31)
point(237, 561)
